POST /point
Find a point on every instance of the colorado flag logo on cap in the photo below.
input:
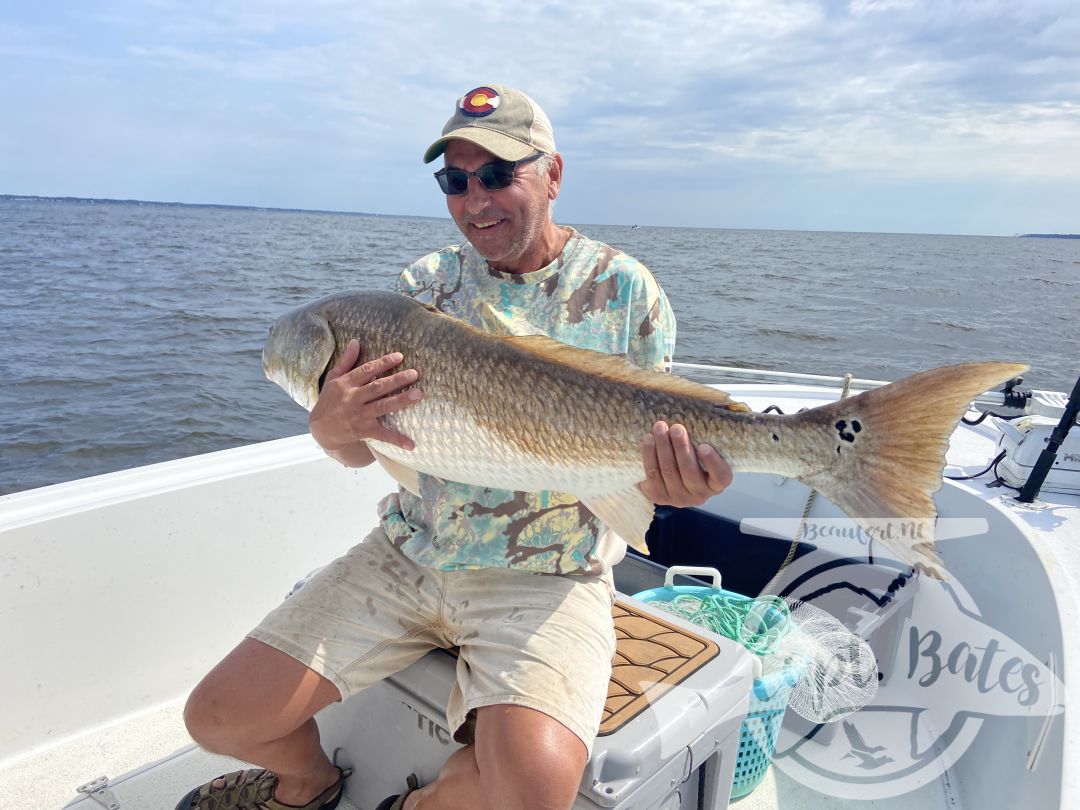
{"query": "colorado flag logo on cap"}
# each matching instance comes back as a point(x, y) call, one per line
point(479, 102)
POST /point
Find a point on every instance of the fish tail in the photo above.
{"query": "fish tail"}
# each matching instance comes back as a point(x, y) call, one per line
point(888, 446)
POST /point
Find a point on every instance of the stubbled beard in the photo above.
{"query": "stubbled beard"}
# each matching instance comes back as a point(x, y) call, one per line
point(525, 238)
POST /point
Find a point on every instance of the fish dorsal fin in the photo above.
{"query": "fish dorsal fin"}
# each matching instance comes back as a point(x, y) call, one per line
point(619, 369)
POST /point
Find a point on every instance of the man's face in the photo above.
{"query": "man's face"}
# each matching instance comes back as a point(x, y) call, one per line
point(505, 225)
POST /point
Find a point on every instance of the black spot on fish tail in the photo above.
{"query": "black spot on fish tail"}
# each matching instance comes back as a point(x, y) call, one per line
point(775, 438)
point(841, 428)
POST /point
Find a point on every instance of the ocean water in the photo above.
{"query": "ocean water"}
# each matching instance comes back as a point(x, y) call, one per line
point(132, 333)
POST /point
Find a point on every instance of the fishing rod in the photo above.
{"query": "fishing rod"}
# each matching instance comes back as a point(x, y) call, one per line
point(1049, 454)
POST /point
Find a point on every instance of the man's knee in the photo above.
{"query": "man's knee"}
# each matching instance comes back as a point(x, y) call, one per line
point(257, 694)
point(208, 719)
point(545, 782)
point(527, 759)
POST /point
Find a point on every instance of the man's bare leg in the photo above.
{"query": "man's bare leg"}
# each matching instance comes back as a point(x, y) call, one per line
point(257, 705)
point(522, 760)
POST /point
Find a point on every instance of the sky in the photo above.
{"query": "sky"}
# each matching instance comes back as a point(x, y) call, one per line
point(916, 116)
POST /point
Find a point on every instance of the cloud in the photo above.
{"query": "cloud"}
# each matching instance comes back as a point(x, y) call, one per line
point(860, 7)
point(902, 98)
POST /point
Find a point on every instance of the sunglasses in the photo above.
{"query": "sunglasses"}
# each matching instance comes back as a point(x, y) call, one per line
point(492, 176)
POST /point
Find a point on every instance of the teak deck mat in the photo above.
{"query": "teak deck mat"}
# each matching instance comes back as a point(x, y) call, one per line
point(652, 656)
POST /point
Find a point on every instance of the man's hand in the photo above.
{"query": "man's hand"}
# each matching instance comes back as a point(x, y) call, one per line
point(352, 400)
point(676, 474)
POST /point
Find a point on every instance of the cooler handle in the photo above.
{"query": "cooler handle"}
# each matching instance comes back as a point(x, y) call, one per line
point(691, 571)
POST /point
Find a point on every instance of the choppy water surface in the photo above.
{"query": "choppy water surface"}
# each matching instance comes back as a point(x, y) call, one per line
point(132, 333)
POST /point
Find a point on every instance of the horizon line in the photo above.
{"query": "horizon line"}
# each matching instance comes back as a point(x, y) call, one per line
point(239, 207)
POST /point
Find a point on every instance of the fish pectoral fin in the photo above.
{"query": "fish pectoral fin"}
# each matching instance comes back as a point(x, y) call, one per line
point(627, 512)
point(406, 476)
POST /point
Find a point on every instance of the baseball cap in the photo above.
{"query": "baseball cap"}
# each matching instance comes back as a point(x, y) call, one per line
point(504, 121)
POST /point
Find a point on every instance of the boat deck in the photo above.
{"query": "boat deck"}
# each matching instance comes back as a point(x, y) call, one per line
point(161, 763)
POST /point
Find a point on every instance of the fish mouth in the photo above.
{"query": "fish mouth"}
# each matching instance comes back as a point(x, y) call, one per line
point(271, 370)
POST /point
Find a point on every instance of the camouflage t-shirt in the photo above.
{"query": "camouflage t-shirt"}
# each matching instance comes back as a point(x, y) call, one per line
point(592, 296)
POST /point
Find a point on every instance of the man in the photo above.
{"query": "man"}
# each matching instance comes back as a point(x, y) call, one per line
point(531, 684)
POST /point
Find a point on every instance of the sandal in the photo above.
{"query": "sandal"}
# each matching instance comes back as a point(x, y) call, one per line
point(254, 790)
point(398, 801)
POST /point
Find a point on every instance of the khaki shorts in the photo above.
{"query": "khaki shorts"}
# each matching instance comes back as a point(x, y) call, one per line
point(534, 640)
